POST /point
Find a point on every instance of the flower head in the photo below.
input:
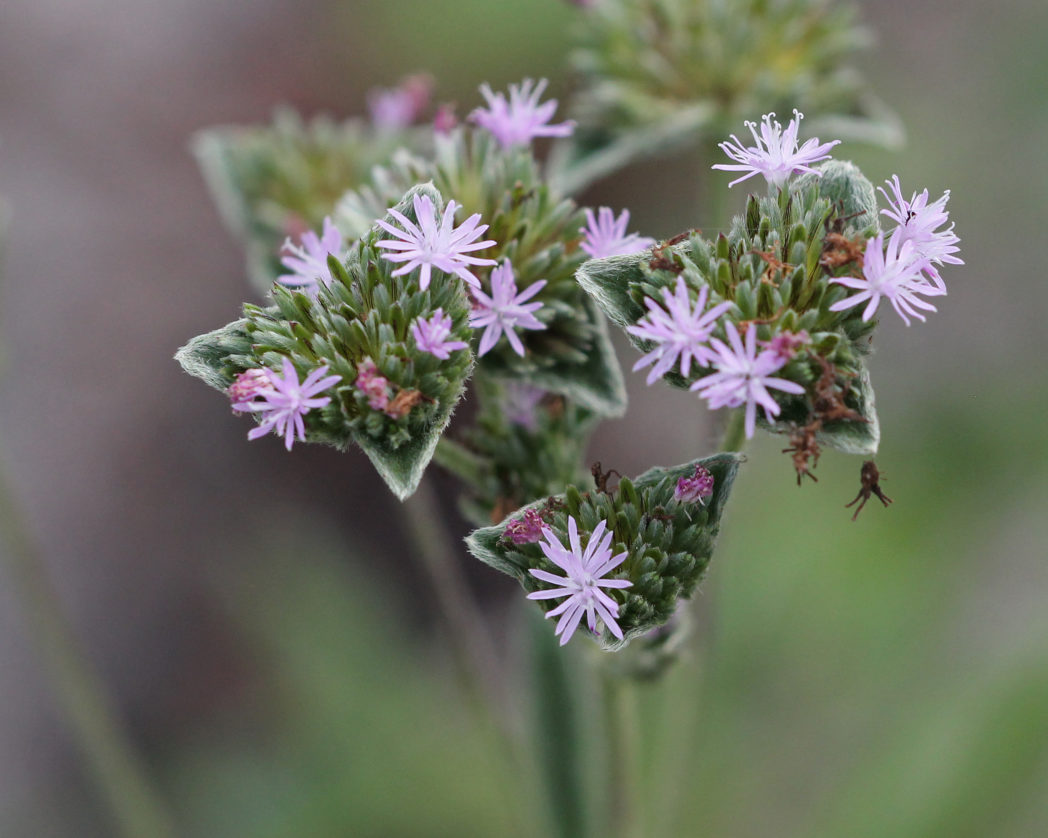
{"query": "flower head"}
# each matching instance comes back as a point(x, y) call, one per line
point(432, 335)
point(527, 529)
point(373, 385)
point(743, 377)
point(518, 120)
point(786, 344)
point(287, 401)
point(308, 260)
point(444, 121)
point(919, 222)
point(776, 155)
point(505, 310)
point(605, 235)
point(519, 401)
point(679, 329)
point(427, 245)
point(246, 387)
point(396, 108)
point(583, 580)
point(894, 272)
point(694, 489)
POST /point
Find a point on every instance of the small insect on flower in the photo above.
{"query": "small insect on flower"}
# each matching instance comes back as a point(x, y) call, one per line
point(432, 335)
point(308, 260)
point(776, 154)
point(288, 401)
point(585, 570)
point(919, 222)
point(605, 235)
point(505, 310)
point(679, 330)
point(518, 120)
point(427, 244)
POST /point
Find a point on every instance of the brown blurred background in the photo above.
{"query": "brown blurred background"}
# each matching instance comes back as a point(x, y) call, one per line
point(153, 510)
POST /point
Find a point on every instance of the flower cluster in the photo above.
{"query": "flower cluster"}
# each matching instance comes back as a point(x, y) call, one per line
point(527, 529)
point(518, 120)
point(505, 310)
point(372, 385)
point(429, 244)
point(308, 260)
point(695, 489)
point(605, 235)
point(584, 570)
point(776, 154)
point(284, 402)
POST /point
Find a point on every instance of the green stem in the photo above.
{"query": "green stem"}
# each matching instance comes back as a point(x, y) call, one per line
point(734, 438)
point(459, 460)
point(623, 743)
point(115, 767)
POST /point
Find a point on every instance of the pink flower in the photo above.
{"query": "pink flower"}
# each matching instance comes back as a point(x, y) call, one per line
point(895, 273)
point(505, 310)
point(743, 377)
point(288, 401)
point(694, 489)
point(432, 335)
point(396, 108)
point(786, 344)
point(919, 222)
point(308, 259)
point(426, 245)
point(527, 529)
point(679, 329)
point(520, 119)
point(583, 581)
point(246, 387)
point(373, 385)
point(605, 235)
point(776, 155)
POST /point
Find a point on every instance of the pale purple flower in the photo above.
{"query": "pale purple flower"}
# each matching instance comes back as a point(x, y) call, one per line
point(527, 529)
point(373, 385)
point(583, 580)
point(776, 155)
point(518, 120)
point(505, 310)
point(288, 401)
point(605, 235)
point(695, 489)
point(246, 387)
point(679, 329)
point(519, 401)
point(396, 108)
point(432, 335)
point(895, 273)
point(743, 377)
point(429, 245)
point(919, 222)
point(308, 260)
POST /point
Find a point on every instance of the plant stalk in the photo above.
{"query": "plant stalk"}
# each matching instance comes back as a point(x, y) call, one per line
point(115, 767)
point(623, 743)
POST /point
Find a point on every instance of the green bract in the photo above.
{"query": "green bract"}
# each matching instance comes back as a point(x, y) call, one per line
point(665, 74)
point(669, 543)
point(278, 180)
point(774, 266)
point(365, 313)
point(538, 231)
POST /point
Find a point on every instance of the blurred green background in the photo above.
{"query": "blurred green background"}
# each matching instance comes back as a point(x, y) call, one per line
point(275, 653)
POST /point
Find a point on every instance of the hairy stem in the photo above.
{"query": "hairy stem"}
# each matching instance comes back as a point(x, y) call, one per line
point(734, 438)
point(116, 768)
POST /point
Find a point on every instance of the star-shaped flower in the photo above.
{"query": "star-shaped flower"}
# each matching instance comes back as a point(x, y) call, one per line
point(895, 273)
point(505, 310)
point(584, 577)
point(518, 120)
point(776, 155)
point(307, 260)
point(743, 377)
point(605, 235)
point(288, 401)
point(427, 244)
point(432, 335)
point(679, 329)
point(919, 222)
